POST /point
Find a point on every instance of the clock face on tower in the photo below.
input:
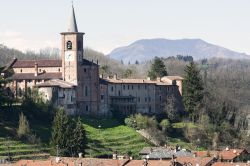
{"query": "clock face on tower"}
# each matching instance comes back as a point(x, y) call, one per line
point(69, 55)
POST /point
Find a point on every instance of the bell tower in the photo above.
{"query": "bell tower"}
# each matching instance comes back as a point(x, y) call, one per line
point(71, 51)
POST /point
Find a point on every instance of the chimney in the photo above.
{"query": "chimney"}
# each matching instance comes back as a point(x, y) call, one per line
point(158, 79)
point(115, 77)
point(148, 78)
point(80, 155)
point(115, 156)
point(101, 76)
point(36, 69)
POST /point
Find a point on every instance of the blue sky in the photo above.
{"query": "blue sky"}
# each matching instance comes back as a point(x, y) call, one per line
point(34, 24)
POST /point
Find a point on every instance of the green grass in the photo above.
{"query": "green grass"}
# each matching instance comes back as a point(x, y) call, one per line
point(183, 124)
point(19, 150)
point(111, 136)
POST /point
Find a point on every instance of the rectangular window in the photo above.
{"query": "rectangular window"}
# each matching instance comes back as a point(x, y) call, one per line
point(149, 99)
point(123, 87)
point(86, 91)
point(145, 99)
point(87, 108)
point(112, 88)
point(132, 87)
point(138, 86)
point(128, 87)
point(160, 98)
point(102, 97)
point(139, 99)
point(145, 86)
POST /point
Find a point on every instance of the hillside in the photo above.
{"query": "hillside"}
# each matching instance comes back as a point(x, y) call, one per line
point(146, 49)
point(105, 136)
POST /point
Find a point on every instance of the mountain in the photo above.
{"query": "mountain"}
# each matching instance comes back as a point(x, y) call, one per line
point(146, 49)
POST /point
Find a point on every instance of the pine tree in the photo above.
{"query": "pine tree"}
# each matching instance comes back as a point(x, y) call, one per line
point(61, 133)
point(78, 140)
point(157, 69)
point(192, 90)
point(67, 134)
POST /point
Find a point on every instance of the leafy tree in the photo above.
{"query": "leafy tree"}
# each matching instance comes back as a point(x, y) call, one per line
point(173, 108)
point(128, 73)
point(130, 121)
point(192, 90)
point(6, 96)
point(157, 69)
point(23, 128)
point(165, 124)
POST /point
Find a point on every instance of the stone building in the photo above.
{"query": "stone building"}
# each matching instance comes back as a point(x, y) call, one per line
point(74, 83)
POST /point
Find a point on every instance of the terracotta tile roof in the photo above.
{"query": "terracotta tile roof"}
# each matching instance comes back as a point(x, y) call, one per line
point(72, 162)
point(150, 163)
point(56, 83)
point(230, 154)
point(136, 81)
point(41, 63)
point(206, 153)
point(230, 164)
point(40, 76)
point(202, 161)
point(173, 77)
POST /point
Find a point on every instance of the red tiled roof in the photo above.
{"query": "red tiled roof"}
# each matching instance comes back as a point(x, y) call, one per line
point(229, 164)
point(135, 81)
point(202, 161)
point(150, 163)
point(41, 63)
point(206, 153)
point(31, 76)
point(230, 154)
point(56, 83)
point(72, 162)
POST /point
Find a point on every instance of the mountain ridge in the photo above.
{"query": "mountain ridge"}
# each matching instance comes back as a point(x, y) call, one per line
point(146, 49)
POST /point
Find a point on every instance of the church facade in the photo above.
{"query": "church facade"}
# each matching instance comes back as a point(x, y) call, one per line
point(74, 83)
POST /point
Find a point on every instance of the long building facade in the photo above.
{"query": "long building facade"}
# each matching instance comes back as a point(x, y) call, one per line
point(74, 83)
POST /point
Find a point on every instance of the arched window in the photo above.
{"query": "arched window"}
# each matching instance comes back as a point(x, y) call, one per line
point(69, 45)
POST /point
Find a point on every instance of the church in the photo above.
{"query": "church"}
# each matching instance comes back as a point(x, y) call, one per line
point(74, 83)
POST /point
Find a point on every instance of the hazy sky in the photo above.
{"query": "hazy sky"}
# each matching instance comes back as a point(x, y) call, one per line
point(34, 24)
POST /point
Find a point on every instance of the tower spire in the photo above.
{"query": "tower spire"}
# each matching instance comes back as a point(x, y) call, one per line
point(72, 27)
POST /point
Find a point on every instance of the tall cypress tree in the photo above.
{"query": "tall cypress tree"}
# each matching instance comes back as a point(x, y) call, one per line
point(192, 90)
point(61, 133)
point(67, 134)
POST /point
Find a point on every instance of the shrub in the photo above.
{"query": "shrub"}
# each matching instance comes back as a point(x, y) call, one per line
point(130, 122)
point(165, 125)
point(23, 128)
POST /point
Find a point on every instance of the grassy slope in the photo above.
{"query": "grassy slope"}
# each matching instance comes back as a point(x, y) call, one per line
point(110, 137)
point(10, 145)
